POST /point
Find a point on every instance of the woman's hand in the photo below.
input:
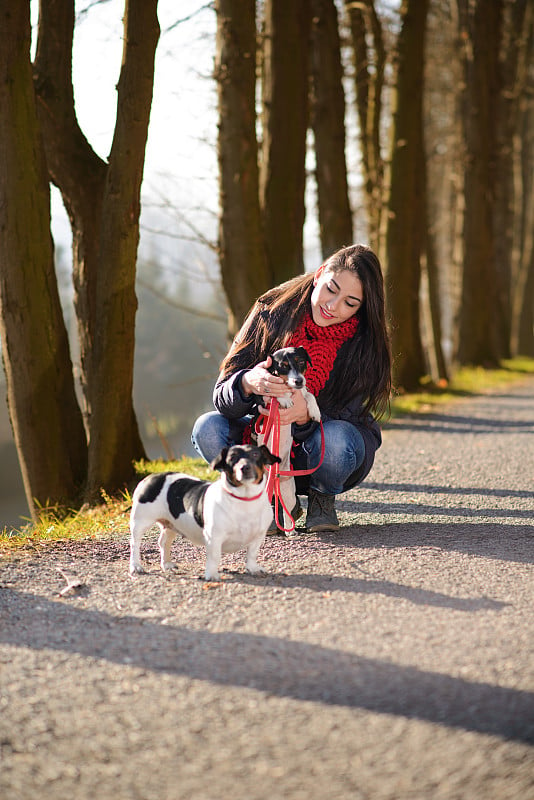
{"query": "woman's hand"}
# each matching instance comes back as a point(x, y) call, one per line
point(297, 413)
point(259, 380)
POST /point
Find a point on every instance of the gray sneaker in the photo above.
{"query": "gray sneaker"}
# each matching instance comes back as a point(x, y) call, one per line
point(321, 514)
point(296, 513)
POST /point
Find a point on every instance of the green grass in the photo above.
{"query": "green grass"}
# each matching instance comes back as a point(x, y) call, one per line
point(192, 466)
point(466, 382)
point(111, 516)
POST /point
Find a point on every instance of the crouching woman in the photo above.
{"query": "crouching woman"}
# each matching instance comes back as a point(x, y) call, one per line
point(338, 315)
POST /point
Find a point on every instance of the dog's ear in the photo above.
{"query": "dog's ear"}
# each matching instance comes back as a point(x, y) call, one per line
point(219, 462)
point(268, 457)
point(303, 353)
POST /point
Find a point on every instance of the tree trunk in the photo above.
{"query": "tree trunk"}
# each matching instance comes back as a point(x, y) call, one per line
point(525, 334)
point(73, 167)
point(369, 64)
point(45, 416)
point(434, 295)
point(241, 247)
point(103, 202)
point(328, 123)
point(114, 436)
point(523, 289)
point(484, 289)
point(517, 25)
point(405, 237)
point(284, 127)
point(522, 292)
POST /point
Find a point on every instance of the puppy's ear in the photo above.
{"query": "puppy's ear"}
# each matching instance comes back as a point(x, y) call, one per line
point(219, 462)
point(303, 353)
point(268, 457)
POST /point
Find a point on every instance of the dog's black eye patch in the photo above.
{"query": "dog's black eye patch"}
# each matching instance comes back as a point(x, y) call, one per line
point(152, 487)
point(246, 451)
point(236, 453)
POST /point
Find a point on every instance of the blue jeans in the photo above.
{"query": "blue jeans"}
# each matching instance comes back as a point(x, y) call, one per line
point(344, 450)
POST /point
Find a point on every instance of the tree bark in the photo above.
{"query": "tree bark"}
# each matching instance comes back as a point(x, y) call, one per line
point(369, 56)
point(522, 147)
point(114, 439)
point(405, 237)
point(328, 123)
point(485, 291)
point(241, 245)
point(103, 203)
point(73, 167)
point(523, 289)
point(284, 128)
point(46, 419)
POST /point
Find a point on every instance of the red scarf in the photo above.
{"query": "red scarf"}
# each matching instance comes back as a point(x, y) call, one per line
point(322, 344)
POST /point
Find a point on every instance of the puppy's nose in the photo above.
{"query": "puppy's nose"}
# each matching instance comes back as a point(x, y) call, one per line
point(244, 469)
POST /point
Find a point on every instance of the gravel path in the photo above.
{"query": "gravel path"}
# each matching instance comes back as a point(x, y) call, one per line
point(390, 661)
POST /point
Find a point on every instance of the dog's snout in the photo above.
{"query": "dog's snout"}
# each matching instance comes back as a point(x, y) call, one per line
point(295, 380)
point(245, 467)
point(247, 470)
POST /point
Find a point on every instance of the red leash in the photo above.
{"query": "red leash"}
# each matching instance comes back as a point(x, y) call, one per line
point(272, 424)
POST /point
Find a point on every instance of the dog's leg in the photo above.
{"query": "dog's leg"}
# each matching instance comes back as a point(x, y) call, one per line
point(167, 537)
point(213, 556)
point(252, 557)
point(287, 483)
point(287, 490)
point(137, 530)
point(313, 408)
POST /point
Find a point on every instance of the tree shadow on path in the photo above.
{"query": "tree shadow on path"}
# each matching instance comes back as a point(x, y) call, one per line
point(274, 666)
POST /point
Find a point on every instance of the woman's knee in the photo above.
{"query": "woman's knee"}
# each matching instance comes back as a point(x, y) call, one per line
point(209, 434)
point(343, 454)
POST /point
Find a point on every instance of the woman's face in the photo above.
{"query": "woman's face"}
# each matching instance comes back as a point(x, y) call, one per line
point(336, 296)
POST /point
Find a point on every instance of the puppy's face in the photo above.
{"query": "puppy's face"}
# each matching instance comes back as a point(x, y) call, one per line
point(290, 363)
point(244, 463)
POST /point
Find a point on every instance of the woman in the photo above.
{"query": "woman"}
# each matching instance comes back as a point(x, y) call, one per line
point(338, 315)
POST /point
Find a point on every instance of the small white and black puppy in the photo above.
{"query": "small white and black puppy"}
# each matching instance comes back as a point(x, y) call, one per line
point(290, 364)
point(229, 515)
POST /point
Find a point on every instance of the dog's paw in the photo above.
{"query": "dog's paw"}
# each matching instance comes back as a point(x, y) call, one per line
point(257, 570)
point(137, 569)
point(212, 576)
point(168, 566)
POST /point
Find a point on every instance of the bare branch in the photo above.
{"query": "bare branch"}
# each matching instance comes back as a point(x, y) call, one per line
point(166, 299)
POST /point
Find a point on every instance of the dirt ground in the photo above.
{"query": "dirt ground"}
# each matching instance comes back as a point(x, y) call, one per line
point(390, 661)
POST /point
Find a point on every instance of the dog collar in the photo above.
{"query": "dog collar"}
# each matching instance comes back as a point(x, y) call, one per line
point(238, 497)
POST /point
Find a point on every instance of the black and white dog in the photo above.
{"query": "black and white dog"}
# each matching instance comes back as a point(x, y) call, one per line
point(290, 363)
point(229, 515)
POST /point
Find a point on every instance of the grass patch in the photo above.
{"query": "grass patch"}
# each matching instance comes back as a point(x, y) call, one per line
point(466, 382)
point(111, 517)
point(192, 466)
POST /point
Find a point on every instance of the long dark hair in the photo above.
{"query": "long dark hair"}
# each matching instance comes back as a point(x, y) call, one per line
point(363, 365)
